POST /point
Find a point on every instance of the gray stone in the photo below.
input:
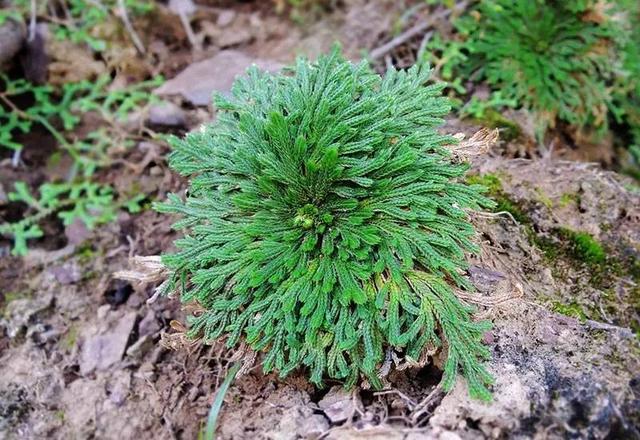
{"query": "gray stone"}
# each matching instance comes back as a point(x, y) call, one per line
point(226, 17)
point(198, 81)
point(314, 426)
point(149, 325)
point(23, 313)
point(484, 279)
point(68, 273)
point(234, 37)
point(118, 387)
point(186, 7)
point(77, 232)
point(12, 35)
point(105, 349)
point(140, 348)
point(167, 114)
point(338, 404)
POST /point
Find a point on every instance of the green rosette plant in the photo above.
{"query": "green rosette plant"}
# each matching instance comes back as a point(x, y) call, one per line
point(326, 224)
point(549, 56)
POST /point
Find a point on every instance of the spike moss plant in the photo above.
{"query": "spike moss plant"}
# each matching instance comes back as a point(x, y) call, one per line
point(325, 224)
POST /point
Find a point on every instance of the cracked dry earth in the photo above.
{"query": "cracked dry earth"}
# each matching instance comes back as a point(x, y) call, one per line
point(80, 353)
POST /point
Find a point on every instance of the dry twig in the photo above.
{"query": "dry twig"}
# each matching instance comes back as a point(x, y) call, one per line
point(129, 27)
point(421, 408)
point(145, 270)
point(478, 144)
point(413, 31)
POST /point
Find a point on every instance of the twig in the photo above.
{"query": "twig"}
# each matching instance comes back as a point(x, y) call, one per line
point(412, 32)
point(127, 24)
point(169, 426)
point(186, 24)
point(184, 9)
point(491, 301)
point(407, 399)
point(42, 121)
point(16, 158)
point(32, 21)
point(423, 45)
point(68, 16)
point(145, 270)
point(424, 405)
point(377, 431)
point(496, 214)
point(387, 62)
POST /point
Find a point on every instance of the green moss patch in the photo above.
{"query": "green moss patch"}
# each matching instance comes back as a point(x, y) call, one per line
point(493, 185)
point(584, 247)
point(572, 309)
point(572, 254)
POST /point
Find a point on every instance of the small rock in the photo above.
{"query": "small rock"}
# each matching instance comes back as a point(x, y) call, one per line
point(488, 338)
point(118, 388)
point(484, 279)
point(35, 55)
point(167, 114)
point(77, 232)
point(481, 92)
point(547, 276)
point(140, 348)
point(15, 405)
point(103, 311)
point(234, 37)
point(182, 7)
point(41, 334)
point(68, 273)
point(135, 301)
point(226, 17)
point(298, 421)
point(12, 35)
point(338, 404)
point(104, 350)
point(313, 427)
point(197, 82)
point(149, 325)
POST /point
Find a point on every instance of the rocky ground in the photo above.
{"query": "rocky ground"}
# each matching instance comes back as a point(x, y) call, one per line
point(83, 355)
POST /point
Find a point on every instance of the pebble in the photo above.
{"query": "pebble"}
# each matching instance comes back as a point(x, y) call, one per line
point(167, 114)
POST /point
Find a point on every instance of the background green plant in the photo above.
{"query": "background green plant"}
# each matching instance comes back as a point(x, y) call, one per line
point(78, 21)
point(576, 62)
point(59, 112)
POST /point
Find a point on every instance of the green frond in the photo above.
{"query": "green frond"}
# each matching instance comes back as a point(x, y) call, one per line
point(326, 225)
point(547, 57)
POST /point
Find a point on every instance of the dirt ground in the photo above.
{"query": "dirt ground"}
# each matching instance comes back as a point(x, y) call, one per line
point(83, 355)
